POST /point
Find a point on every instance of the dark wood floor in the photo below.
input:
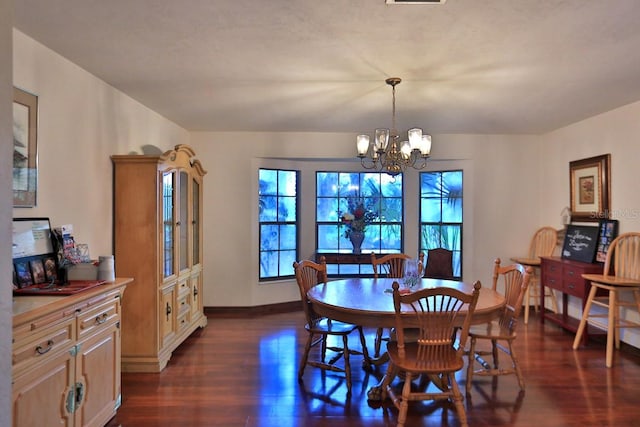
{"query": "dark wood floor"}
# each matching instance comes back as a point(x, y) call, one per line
point(242, 372)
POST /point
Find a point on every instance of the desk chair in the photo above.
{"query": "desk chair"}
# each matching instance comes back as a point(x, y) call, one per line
point(501, 331)
point(543, 243)
point(436, 353)
point(624, 256)
point(308, 275)
point(390, 265)
point(439, 264)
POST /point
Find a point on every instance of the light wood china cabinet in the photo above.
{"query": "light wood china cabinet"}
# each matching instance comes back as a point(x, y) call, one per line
point(66, 357)
point(158, 242)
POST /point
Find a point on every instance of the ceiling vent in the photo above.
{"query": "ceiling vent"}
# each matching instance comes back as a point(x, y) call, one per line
point(415, 1)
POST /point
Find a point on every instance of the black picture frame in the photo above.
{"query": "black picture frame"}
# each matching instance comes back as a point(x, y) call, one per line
point(23, 274)
point(607, 231)
point(580, 243)
point(50, 268)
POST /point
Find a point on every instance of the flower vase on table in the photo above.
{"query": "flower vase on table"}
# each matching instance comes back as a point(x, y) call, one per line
point(356, 238)
point(411, 275)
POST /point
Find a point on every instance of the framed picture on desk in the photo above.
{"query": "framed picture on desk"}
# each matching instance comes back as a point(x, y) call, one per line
point(607, 231)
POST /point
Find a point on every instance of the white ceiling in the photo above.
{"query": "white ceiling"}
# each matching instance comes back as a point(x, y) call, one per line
point(468, 66)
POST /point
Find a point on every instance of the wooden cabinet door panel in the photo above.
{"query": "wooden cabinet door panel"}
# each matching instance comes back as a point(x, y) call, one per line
point(98, 373)
point(41, 395)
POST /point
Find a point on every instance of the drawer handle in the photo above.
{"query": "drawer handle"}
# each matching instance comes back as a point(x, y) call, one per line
point(168, 310)
point(570, 273)
point(101, 319)
point(195, 291)
point(41, 350)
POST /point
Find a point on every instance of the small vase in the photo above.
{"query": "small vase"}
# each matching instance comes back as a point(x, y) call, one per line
point(356, 238)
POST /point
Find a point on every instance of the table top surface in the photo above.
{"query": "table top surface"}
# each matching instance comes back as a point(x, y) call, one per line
point(369, 302)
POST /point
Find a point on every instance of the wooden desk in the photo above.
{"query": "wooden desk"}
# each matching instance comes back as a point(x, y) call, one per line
point(566, 276)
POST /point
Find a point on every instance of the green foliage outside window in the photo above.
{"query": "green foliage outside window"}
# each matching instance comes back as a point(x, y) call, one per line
point(441, 214)
point(278, 220)
point(380, 193)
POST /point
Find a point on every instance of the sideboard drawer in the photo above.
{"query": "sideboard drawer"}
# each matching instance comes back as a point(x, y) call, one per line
point(574, 284)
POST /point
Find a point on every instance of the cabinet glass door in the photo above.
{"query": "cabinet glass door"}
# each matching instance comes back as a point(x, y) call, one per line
point(169, 240)
point(183, 220)
point(195, 223)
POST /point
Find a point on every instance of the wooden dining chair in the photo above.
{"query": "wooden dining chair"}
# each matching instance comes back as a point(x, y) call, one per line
point(439, 264)
point(623, 260)
point(442, 330)
point(543, 243)
point(308, 275)
point(501, 332)
point(390, 266)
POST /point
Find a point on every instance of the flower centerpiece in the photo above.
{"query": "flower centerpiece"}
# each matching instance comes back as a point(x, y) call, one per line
point(356, 219)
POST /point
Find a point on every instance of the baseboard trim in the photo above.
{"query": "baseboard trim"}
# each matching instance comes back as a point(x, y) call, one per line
point(255, 311)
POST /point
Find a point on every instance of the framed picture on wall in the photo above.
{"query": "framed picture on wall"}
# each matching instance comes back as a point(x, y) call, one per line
point(608, 230)
point(25, 139)
point(590, 188)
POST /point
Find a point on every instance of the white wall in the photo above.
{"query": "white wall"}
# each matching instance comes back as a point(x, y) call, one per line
point(500, 204)
point(615, 132)
point(82, 121)
point(6, 168)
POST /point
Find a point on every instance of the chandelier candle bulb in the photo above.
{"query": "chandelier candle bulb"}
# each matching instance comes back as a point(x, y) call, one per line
point(363, 144)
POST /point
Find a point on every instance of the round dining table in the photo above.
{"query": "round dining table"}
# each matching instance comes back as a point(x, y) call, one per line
point(369, 302)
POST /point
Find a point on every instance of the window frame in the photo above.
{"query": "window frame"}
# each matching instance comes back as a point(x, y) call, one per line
point(457, 252)
point(279, 223)
point(358, 268)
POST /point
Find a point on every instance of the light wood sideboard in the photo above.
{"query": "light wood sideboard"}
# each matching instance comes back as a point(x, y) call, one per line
point(66, 357)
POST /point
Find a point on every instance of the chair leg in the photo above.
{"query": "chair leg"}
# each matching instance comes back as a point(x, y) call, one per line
point(554, 302)
point(612, 326)
point(585, 315)
point(457, 399)
point(494, 353)
point(516, 365)
point(527, 298)
point(347, 364)
point(377, 343)
point(470, 363)
point(305, 355)
point(366, 362)
point(404, 403)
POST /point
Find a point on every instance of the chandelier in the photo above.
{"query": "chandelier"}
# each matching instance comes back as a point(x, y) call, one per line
point(389, 155)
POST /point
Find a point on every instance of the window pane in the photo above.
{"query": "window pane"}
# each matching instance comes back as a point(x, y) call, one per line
point(327, 209)
point(287, 183)
point(326, 184)
point(430, 210)
point(268, 208)
point(287, 259)
point(287, 209)
point(268, 181)
point(287, 237)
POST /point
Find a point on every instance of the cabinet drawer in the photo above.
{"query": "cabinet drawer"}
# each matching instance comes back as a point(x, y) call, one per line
point(573, 281)
point(552, 275)
point(99, 316)
point(46, 342)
